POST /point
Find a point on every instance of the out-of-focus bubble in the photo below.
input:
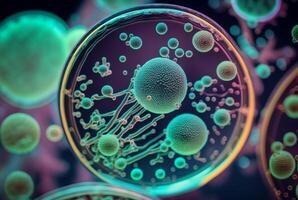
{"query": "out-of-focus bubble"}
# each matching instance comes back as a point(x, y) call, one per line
point(54, 133)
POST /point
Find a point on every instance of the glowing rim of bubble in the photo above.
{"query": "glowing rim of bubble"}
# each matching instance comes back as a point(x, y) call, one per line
point(265, 18)
point(288, 78)
point(195, 181)
point(49, 98)
point(91, 188)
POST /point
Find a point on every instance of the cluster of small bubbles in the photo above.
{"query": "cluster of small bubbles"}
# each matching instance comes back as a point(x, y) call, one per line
point(122, 58)
point(188, 27)
point(222, 117)
point(20, 133)
point(18, 185)
point(173, 43)
point(164, 52)
point(263, 71)
point(291, 106)
point(203, 41)
point(179, 52)
point(54, 133)
point(226, 70)
point(161, 28)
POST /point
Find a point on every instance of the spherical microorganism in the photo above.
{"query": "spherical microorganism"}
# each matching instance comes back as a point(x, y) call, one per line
point(291, 106)
point(277, 146)
point(199, 86)
point(54, 133)
point(235, 30)
point(136, 174)
point(294, 33)
point(120, 163)
point(18, 185)
point(164, 51)
point(188, 134)
point(256, 11)
point(290, 139)
point(20, 133)
point(203, 41)
point(201, 107)
point(164, 81)
point(161, 28)
point(123, 36)
point(173, 43)
point(122, 58)
point(107, 90)
point(180, 162)
point(179, 52)
point(74, 35)
point(108, 145)
point(207, 81)
point(263, 71)
point(188, 54)
point(37, 40)
point(87, 103)
point(135, 42)
point(160, 174)
point(282, 164)
point(222, 117)
point(229, 101)
point(226, 70)
point(188, 27)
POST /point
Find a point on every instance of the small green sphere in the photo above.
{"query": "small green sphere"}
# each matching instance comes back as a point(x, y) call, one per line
point(108, 145)
point(20, 133)
point(188, 134)
point(276, 146)
point(18, 185)
point(226, 70)
point(74, 35)
point(179, 52)
point(282, 165)
point(191, 96)
point(135, 42)
point(294, 34)
point(164, 147)
point(188, 27)
point(160, 85)
point(121, 163)
point(201, 107)
point(263, 71)
point(161, 28)
point(103, 68)
point(291, 106)
point(203, 41)
point(290, 139)
point(54, 133)
point(229, 101)
point(222, 117)
point(122, 58)
point(107, 90)
point(87, 103)
point(180, 162)
point(164, 51)
point(207, 81)
point(123, 36)
point(136, 174)
point(199, 86)
point(160, 174)
point(173, 43)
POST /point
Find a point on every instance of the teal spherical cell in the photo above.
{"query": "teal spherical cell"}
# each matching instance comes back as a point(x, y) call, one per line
point(33, 52)
point(188, 134)
point(199, 86)
point(290, 139)
point(135, 42)
point(291, 106)
point(191, 95)
point(161, 28)
point(179, 162)
point(107, 90)
point(282, 165)
point(188, 54)
point(188, 27)
point(226, 70)
point(179, 52)
point(74, 35)
point(123, 36)
point(276, 146)
point(122, 59)
point(203, 41)
point(103, 68)
point(18, 185)
point(207, 81)
point(87, 103)
point(121, 163)
point(263, 71)
point(136, 174)
point(20, 133)
point(229, 101)
point(201, 107)
point(108, 145)
point(222, 117)
point(160, 85)
point(164, 51)
point(173, 43)
point(160, 174)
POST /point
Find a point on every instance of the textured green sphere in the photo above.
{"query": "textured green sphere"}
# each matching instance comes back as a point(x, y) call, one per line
point(282, 164)
point(135, 42)
point(20, 133)
point(188, 134)
point(222, 117)
point(180, 162)
point(136, 174)
point(160, 85)
point(161, 28)
point(203, 41)
point(108, 145)
point(33, 51)
point(18, 185)
point(291, 106)
point(290, 139)
point(276, 146)
point(226, 70)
